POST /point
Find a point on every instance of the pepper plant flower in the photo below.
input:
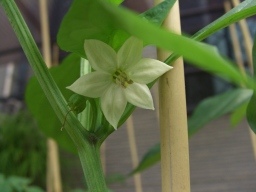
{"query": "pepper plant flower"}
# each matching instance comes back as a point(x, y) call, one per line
point(119, 77)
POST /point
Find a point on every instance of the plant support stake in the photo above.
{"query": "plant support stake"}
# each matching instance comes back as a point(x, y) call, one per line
point(53, 180)
point(173, 119)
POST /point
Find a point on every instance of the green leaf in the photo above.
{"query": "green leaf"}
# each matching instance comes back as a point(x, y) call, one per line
point(254, 56)
point(94, 23)
point(245, 9)
point(208, 110)
point(216, 106)
point(64, 75)
point(148, 160)
point(18, 183)
point(157, 14)
point(238, 115)
point(34, 189)
point(85, 20)
point(201, 55)
point(2, 178)
point(5, 187)
point(251, 109)
point(117, 2)
point(251, 112)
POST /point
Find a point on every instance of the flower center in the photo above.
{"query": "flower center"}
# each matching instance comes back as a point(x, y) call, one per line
point(120, 78)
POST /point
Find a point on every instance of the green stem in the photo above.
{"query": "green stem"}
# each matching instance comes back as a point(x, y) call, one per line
point(45, 79)
point(90, 158)
point(84, 140)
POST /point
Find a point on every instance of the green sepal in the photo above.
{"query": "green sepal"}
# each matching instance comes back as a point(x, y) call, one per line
point(77, 103)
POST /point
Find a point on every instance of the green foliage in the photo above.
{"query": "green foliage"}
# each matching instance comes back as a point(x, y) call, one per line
point(243, 10)
point(157, 14)
point(94, 23)
point(217, 106)
point(17, 184)
point(201, 55)
point(251, 109)
point(208, 110)
point(254, 56)
point(117, 2)
point(22, 147)
point(238, 114)
point(251, 113)
point(64, 75)
point(79, 25)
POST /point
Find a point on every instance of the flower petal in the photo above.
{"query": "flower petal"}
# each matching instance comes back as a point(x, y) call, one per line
point(130, 53)
point(92, 84)
point(100, 55)
point(147, 70)
point(139, 95)
point(113, 104)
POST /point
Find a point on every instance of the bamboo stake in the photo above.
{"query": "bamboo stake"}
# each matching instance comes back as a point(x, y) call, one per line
point(248, 47)
point(235, 41)
point(247, 38)
point(53, 170)
point(134, 153)
point(173, 119)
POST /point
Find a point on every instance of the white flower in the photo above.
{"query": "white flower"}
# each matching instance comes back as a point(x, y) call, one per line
point(118, 77)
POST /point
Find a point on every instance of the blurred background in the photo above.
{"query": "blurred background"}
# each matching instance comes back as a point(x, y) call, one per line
point(221, 156)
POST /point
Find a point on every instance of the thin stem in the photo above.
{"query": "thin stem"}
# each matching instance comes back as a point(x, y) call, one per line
point(85, 141)
point(92, 167)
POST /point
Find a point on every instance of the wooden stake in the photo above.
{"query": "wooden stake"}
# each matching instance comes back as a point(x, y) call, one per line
point(247, 38)
point(235, 41)
point(134, 153)
point(53, 180)
point(173, 119)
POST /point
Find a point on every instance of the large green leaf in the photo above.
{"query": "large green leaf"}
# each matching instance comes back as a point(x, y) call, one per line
point(86, 20)
point(217, 106)
point(251, 112)
point(201, 55)
point(239, 114)
point(117, 2)
point(208, 110)
point(251, 109)
point(64, 75)
point(158, 13)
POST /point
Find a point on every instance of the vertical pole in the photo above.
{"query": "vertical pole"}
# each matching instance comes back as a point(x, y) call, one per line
point(53, 180)
point(247, 37)
point(134, 153)
point(173, 119)
point(235, 41)
point(8, 80)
